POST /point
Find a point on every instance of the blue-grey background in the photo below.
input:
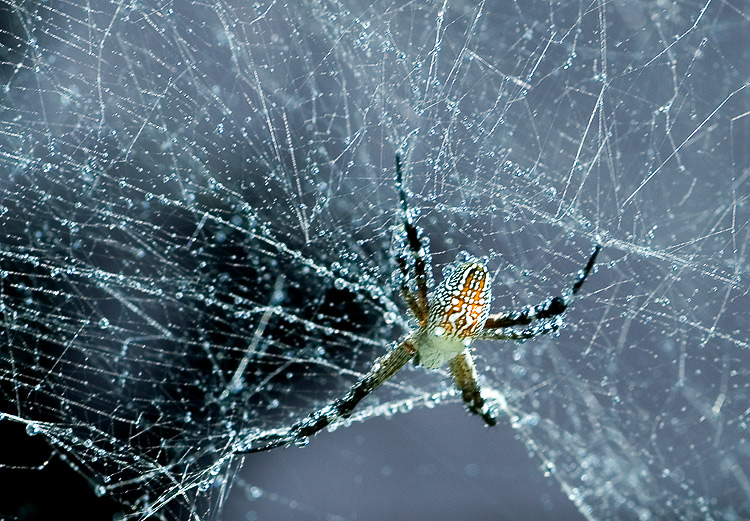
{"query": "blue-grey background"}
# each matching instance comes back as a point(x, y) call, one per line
point(189, 187)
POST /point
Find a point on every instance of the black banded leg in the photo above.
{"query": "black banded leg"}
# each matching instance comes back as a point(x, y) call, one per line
point(465, 377)
point(544, 310)
point(412, 238)
point(409, 297)
point(523, 334)
point(587, 269)
point(388, 365)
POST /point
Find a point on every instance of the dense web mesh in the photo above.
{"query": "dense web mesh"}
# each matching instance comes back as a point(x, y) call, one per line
point(198, 227)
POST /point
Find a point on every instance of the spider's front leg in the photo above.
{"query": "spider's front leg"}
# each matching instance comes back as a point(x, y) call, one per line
point(550, 308)
point(417, 302)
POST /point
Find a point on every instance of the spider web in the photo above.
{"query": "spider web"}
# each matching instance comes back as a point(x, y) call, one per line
point(199, 225)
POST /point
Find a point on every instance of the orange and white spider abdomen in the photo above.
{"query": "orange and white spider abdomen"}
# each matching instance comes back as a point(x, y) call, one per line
point(458, 309)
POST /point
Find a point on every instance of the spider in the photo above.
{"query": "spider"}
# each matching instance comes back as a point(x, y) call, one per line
point(450, 318)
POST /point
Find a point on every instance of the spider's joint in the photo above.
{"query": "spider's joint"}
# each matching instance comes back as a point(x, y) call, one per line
point(557, 305)
point(409, 347)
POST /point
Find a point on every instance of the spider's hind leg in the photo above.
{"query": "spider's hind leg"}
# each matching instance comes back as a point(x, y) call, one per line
point(383, 369)
point(465, 377)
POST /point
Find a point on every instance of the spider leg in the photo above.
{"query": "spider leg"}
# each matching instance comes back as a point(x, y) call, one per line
point(418, 303)
point(383, 369)
point(523, 334)
point(465, 377)
point(409, 297)
point(547, 309)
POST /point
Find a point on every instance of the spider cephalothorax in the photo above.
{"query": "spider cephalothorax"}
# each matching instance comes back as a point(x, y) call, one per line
point(458, 308)
point(450, 318)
